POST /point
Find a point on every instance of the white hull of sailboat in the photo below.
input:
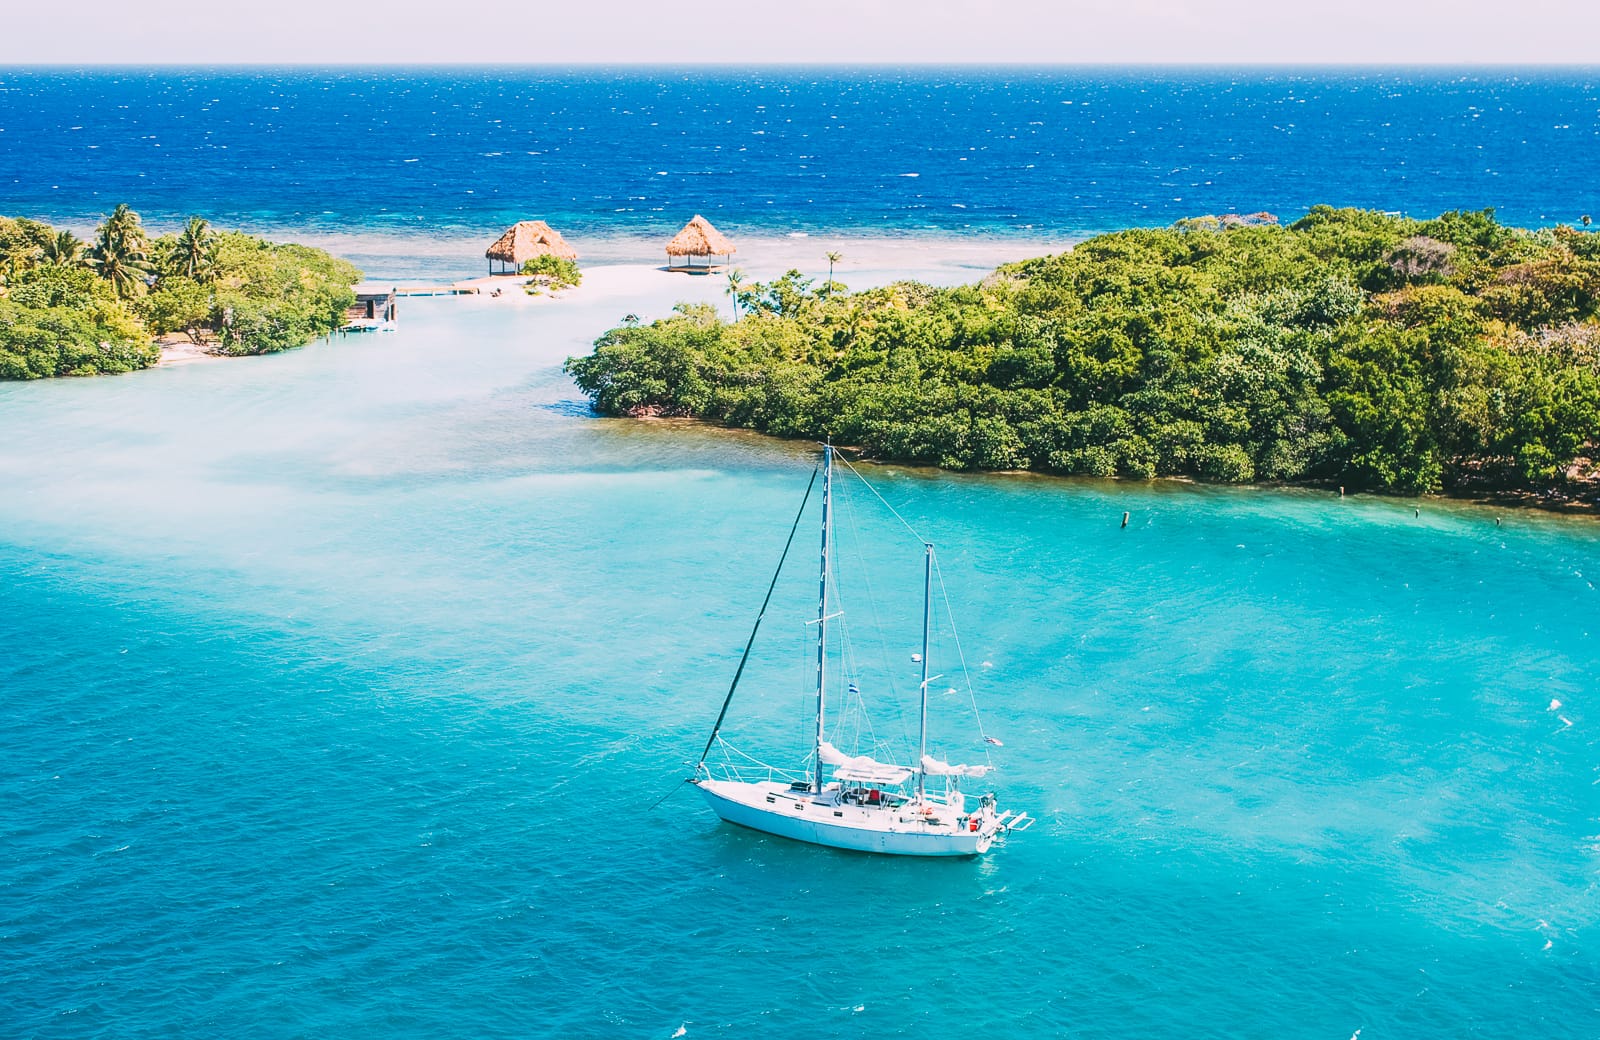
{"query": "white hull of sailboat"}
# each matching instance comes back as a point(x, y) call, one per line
point(825, 820)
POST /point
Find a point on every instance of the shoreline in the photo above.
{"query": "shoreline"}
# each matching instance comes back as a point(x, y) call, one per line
point(385, 256)
point(1511, 501)
point(631, 270)
point(624, 276)
point(457, 254)
point(623, 282)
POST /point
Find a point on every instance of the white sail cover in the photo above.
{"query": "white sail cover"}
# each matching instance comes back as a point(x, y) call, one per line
point(860, 769)
point(933, 767)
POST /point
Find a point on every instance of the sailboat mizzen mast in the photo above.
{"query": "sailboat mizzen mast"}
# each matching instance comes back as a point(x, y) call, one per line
point(822, 619)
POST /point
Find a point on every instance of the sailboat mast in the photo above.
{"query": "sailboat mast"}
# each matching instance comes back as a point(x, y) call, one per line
point(822, 618)
point(927, 615)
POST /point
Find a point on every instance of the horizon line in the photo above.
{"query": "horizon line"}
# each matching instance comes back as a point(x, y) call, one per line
point(642, 64)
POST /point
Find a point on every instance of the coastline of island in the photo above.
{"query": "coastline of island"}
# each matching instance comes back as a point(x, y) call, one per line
point(1350, 349)
point(75, 307)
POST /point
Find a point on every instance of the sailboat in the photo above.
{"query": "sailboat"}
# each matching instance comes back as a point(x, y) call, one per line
point(855, 801)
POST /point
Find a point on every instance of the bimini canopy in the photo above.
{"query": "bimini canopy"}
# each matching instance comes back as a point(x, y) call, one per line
point(860, 769)
point(934, 767)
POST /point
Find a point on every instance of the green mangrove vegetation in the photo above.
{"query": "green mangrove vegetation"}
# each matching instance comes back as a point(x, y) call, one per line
point(550, 272)
point(69, 307)
point(1351, 347)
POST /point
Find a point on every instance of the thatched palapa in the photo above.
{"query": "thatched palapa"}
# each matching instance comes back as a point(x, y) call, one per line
point(525, 240)
point(698, 238)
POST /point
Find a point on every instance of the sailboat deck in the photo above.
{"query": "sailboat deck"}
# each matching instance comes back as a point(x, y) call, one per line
point(830, 818)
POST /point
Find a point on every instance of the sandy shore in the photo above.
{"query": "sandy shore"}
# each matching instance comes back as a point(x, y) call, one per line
point(179, 349)
point(614, 267)
point(649, 290)
point(398, 258)
point(631, 277)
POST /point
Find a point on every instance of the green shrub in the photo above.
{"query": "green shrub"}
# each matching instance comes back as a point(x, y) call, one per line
point(553, 271)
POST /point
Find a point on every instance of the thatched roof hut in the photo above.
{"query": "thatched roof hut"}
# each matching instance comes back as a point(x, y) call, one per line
point(525, 240)
point(698, 238)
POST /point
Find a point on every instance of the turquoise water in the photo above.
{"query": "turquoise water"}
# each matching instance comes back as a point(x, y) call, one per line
point(336, 688)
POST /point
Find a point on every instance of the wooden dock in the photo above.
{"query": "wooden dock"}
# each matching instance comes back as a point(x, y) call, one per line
point(435, 290)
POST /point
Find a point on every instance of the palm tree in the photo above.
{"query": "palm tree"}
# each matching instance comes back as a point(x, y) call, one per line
point(16, 255)
point(833, 258)
point(66, 250)
point(122, 252)
point(853, 323)
point(192, 252)
point(735, 283)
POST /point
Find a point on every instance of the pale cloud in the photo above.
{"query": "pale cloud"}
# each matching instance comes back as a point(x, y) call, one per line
point(846, 31)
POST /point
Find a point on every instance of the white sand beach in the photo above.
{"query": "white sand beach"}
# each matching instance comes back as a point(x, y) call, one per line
point(178, 349)
point(619, 268)
point(626, 276)
point(867, 259)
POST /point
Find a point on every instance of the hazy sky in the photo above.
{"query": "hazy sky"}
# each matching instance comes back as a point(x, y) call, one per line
point(750, 31)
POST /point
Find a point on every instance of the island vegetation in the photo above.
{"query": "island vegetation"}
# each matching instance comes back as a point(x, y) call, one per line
point(1350, 347)
point(549, 272)
point(69, 307)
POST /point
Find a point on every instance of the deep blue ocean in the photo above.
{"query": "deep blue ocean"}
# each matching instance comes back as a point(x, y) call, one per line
point(337, 686)
point(1035, 152)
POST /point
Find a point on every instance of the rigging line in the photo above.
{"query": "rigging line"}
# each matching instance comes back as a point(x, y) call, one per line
point(961, 655)
point(729, 750)
point(850, 712)
point(876, 615)
point(884, 746)
point(885, 501)
point(745, 657)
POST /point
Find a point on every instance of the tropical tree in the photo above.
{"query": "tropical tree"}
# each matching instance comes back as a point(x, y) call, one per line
point(554, 272)
point(16, 257)
point(66, 250)
point(121, 252)
point(194, 251)
point(21, 246)
point(833, 258)
point(735, 283)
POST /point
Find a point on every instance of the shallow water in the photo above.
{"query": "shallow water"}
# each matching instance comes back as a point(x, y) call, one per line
point(337, 687)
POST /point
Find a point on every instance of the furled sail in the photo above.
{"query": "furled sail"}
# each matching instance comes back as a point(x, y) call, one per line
point(933, 767)
point(861, 769)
